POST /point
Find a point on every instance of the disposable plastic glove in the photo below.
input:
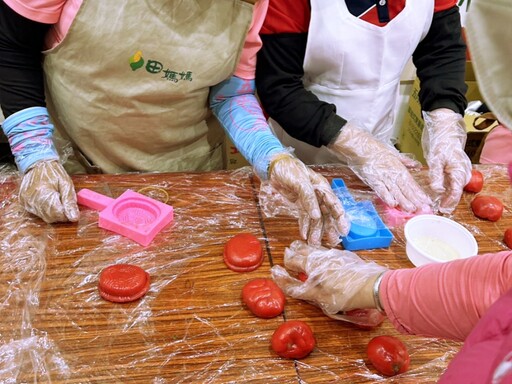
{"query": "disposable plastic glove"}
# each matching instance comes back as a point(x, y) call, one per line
point(381, 167)
point(338, 281)
point(47, 191)
point(443, 140)
point(320, 210)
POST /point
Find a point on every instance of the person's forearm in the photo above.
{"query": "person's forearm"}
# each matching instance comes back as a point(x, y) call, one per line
point(234, 104)
point(446, 299)
point(30, 135)
point(21, 73)
point(440, 60)
point(279, 73)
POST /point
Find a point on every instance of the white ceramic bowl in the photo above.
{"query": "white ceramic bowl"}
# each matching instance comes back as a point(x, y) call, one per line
point(436, 239)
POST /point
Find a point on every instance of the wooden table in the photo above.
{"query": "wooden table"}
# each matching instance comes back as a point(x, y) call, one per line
point(191, 327)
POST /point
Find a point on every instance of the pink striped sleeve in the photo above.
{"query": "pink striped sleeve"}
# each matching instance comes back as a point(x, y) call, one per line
point(247, 66)
point(447, 299)
point(43, 11)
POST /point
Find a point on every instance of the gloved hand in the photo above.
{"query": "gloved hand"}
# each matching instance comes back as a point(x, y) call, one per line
point(320, 210)
point(47, 191)
point(380, 166)
point(338, 281)
point(443, 140)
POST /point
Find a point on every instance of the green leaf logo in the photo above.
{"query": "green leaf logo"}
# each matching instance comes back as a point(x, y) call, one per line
point(136, 61)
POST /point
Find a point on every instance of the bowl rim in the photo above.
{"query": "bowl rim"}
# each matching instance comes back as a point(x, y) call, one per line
point(455, 224)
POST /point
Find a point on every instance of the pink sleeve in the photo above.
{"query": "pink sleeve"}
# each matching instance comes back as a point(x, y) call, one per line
point(43, 11)
point(447, 299)
point(496, 148)
point(247, 66)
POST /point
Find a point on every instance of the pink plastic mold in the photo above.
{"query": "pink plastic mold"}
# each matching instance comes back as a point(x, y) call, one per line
point(133, 215)
point(395, 217)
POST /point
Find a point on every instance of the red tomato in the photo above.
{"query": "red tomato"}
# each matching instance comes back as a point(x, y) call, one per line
point(302, 276)
point(476, 183)
point(487, 207)
point(508, 237)
point(264, 298)
point(293, 339)
point(388, 355)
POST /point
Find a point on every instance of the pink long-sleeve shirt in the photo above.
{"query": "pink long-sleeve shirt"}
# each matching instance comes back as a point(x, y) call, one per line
point(439, 293)
point(62, 12)
point(469, 299)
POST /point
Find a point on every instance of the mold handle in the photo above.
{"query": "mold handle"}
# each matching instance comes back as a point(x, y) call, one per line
point(93, 199)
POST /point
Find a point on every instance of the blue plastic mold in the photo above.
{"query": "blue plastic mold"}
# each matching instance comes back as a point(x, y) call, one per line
point(367, 230)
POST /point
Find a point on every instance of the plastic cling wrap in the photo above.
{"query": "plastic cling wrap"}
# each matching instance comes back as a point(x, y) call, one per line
point(191, 326)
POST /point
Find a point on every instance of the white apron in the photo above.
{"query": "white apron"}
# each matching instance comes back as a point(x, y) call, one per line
point(129, 83)
point(357, 66)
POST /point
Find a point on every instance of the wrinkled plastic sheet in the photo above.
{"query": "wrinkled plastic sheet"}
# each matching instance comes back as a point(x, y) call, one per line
point(54, 326)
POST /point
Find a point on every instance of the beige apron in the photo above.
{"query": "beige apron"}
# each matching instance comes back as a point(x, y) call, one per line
point(356, 66)
point(129, 83)
point(489, 34)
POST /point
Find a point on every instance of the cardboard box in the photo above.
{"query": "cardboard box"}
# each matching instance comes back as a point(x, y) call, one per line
point(409, 138)
point(233, 158)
